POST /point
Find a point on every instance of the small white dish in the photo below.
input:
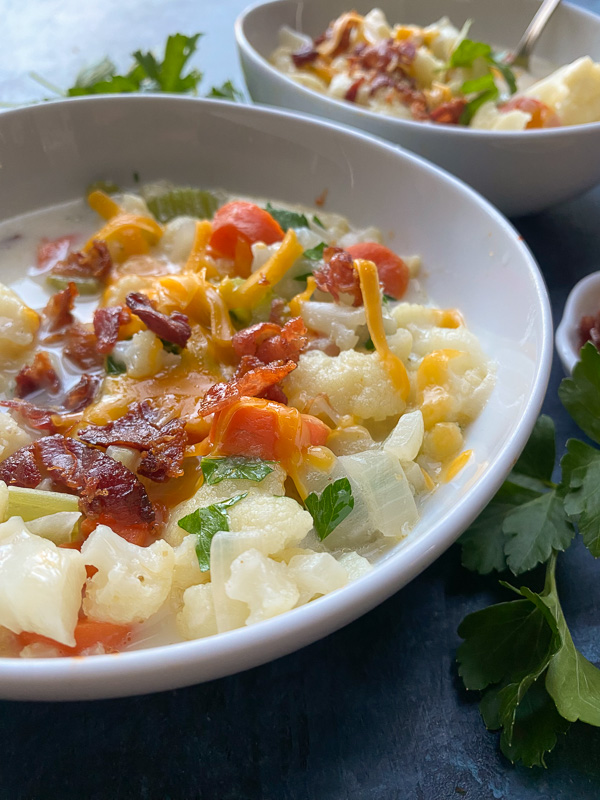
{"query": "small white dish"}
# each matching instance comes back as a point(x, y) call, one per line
point(520, 172)
point(583, 300)
point(473, 259)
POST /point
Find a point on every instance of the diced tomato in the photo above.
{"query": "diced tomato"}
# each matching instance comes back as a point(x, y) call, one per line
point(88, 634)
point(259, 428)
point(542, 116)
point(393, 272)
point(242, 222)
point(51, 251)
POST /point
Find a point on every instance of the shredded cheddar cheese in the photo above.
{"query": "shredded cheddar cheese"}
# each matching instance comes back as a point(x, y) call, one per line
point(369, 284)
point(298, 301)
point(249, 294)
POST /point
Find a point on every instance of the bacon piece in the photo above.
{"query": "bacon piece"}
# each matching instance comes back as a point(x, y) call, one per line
point(51, 251)
point(35, 417)
point(252, 379)
point(174, 328)
point(144, 428)
point(21, 469)
point(38, 375)
point(353, 90)
point(82, 394)
point(57, 314)
point(81, 347)
point(338, 275)
point(589, 330)
point(270, 342)
point(95, 264)
point(104, 486)
point(306, 55)
point(449, 113)
point(388, 56)
point(107, 322)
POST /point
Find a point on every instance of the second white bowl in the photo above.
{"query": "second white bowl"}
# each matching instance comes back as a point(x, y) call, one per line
point(520, 172)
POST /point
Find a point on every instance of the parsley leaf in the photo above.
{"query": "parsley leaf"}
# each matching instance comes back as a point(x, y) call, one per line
point(147, 74)
point(474, 105)
point(524, 521)
point(331, 507)
point(534, 529)
point(572, 681)
point(205, 523)
point(580, 394)
point(113, 367)
point(287, 219)
point(467, 51)
point(369, 345)
point(315, 253)
point(581, 476)
point(227, 91)
point(216, 470)
point(484, 83)
point(303, 277)
point(483, 542)
point(318, 222)
point(538, 458)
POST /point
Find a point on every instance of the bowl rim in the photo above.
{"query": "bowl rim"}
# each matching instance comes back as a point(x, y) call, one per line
point(353, 110)
point(40, 678)
point(572, 313)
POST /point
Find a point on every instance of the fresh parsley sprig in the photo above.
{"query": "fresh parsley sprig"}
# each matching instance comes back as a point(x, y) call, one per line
point(205, 523)
point(216, 470)
point(520, 654)
point(330, 507)
point(484, 87)
point(147, 74)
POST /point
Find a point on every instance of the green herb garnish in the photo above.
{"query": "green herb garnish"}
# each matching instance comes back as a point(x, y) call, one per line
point(520, 654)
point(169, 347)
point(216, 470)
point(465, 55)
point(287, 219)
point(226, 91)
point(315, 253)
point(331, 507)
point(318, 222)
point(113, 367)
point(369, 345)
point(205, 523)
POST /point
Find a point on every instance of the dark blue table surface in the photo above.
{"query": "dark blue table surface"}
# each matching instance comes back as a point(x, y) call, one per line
point(375, 711)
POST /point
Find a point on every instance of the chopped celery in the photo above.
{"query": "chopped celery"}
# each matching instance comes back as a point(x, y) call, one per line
point(33, 503)
point(84, 285)
point(182, 202)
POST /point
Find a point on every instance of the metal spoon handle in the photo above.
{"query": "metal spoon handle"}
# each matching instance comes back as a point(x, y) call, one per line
point(534, 29)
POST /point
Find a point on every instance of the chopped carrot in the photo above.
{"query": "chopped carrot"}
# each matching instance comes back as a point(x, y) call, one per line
point(542, 116)
point(393, 272)
point(265, 429)
point(242, 221)
point(88, 634)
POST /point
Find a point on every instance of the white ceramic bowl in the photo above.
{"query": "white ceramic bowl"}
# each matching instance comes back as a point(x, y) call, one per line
point(520, 172)
point(583, 300)
point(472, 257)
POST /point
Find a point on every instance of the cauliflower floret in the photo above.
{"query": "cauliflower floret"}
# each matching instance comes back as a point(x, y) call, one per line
point(186, 570)
point(573, 91)
point(280, 516)
point(197, 616)
point(316, 574)
point(355, 383)
point(178, 238)
point(57, 528)
point(271, 485)
point(356, 566)
point(132, 582)
point(143, 355)
point(40, 584)
point(12, 436)
point(488, 117)
point(264, 585)
point(18, 325)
